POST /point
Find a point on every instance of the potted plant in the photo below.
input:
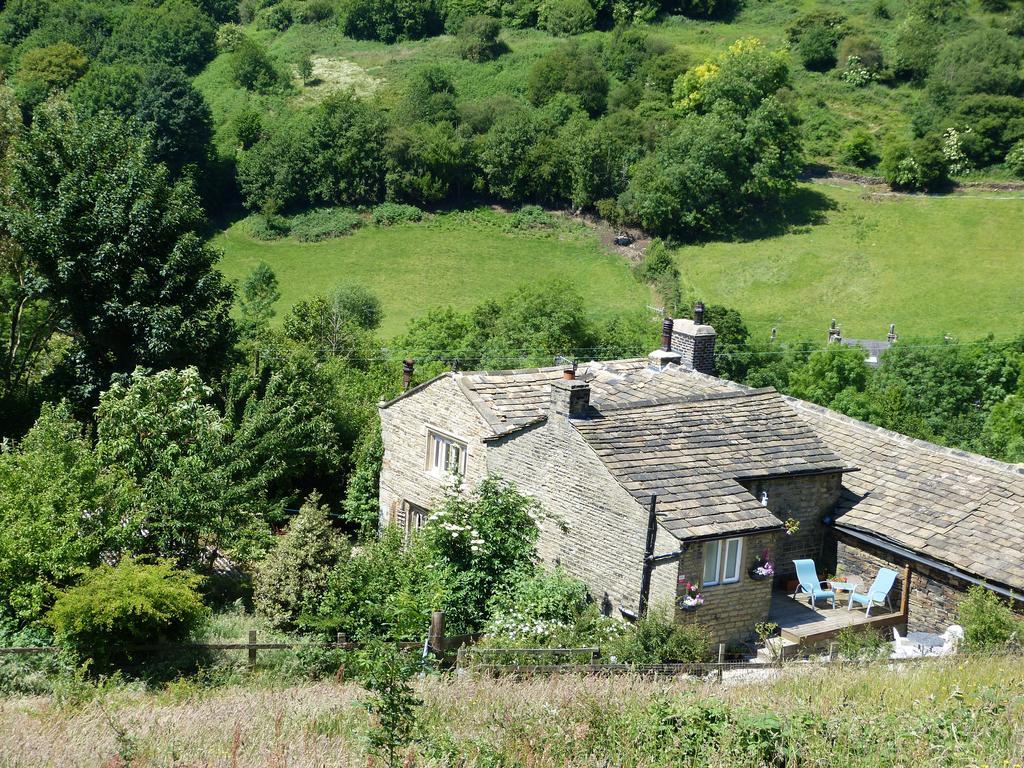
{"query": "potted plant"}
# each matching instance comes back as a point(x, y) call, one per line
point(763, 567)
point(690, 598)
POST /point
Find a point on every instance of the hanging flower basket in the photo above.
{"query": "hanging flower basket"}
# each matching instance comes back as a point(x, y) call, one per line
point(763, 567)
point(690, 598)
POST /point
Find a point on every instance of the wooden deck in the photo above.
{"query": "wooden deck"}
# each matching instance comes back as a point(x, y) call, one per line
point(801, 624)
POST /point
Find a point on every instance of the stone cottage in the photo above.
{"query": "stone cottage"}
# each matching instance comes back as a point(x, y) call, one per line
point(729, 473)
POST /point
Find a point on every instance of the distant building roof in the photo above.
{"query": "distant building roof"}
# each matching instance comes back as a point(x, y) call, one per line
point(951, 506)
point(693, 451)
point(873, 347)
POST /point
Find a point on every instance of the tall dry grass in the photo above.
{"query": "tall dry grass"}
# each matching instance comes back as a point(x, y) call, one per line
point(959, 713)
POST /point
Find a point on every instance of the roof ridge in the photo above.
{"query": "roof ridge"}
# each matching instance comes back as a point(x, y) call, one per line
point(689, 398)
point(943, 449)
point(413, 390)
point(546, 368)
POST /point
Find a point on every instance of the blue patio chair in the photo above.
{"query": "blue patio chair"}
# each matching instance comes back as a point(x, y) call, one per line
point(877, 593)
point(807, 574)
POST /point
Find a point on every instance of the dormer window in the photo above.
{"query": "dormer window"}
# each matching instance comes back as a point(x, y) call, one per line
point(446, 456)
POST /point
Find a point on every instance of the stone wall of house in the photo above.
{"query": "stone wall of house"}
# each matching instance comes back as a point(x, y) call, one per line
point(807, 499)
point(606, 528)
point(730, 611)
point(442, 406)
point(934, 596)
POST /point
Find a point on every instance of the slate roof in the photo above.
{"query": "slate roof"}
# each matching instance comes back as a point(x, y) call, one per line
point(511, 400)
point(958, 508)
point(693, 451)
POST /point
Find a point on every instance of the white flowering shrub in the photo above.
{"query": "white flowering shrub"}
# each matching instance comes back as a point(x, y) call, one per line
point(481, 540)
point(1015, 159)
point(952, 150)
point(855, 73)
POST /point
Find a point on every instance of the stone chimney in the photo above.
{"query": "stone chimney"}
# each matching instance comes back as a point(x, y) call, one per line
point(660, 358)
point(407, 371)
point(694, 342)
point(569, 397)
point(834, 334)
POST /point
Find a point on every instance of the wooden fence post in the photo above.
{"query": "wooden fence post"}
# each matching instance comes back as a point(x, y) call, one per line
point(252, 648)
point(905, 592)
point(721, 660)
point(436, 638)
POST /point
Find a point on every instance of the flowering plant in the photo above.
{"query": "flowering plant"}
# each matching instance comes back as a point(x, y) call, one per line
point(689, 595)
point(763, 566)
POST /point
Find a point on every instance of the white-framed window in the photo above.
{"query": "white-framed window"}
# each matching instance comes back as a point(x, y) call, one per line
point(722, 560)
point(445, 455)
point(415, 517)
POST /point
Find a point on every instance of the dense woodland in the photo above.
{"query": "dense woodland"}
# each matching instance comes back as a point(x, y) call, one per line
point(153, 411)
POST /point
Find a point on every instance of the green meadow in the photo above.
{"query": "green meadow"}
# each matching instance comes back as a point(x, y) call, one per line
point(457, 259)
point(931, 264)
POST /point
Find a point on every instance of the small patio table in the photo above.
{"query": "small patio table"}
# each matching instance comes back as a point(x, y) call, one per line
point(925, 641)
point(845, 585)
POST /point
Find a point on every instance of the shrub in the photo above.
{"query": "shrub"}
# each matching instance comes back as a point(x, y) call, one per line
point(314, 12)
point(815, 37)
point(566, 17)
point(539, 597)
point(229, 36)
point(391, 20)
point(324, 223)
point(531, 217)
point(856, 644)
point(1015, 159)
point(294, 573)
point(866, 49)
point(477, 39)
point(657, 639)
point(174, 32)
point(386, 214)
point(572, 70)
point(921, 165)
point(989, 624)
point(1015, 24)
point(114, 608)
point(251, 66)
point(278, 17)
point(457, 12)
point(858, 149)
point(267, 226)
point(914, 48)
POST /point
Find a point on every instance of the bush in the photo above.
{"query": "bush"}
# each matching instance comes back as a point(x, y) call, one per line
point(572, 70)
point(815, 37)
point(391, 20)
point(537, 599)
point(477, 39)
point(1015, 159)
point(114, 608)
point(858, 644)
point(277, 17)
point(294, 573)
point(914, 48)
point(866, 49)
point(989, 624)
point(531, 217)
point(657, 639)
point(251, 66)
point(267, 226)
point(566, 17)
point(858, 149)
point(918, 166)
point(386, 214)
point(324, 223)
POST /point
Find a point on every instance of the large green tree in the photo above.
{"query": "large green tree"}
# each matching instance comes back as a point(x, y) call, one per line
point(107, 244)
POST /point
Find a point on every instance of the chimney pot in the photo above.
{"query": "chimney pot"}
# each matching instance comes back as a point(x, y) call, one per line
point(407, 371)
point(666, 334)
point(698, 313)
point(569, 374)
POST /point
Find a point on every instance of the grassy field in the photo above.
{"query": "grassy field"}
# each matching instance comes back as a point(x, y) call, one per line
point(457, 259)
point(931, 265)
point(955, 714)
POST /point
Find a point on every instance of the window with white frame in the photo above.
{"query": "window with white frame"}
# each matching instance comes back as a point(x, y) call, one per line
point(445, 455)
point(722, 561)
